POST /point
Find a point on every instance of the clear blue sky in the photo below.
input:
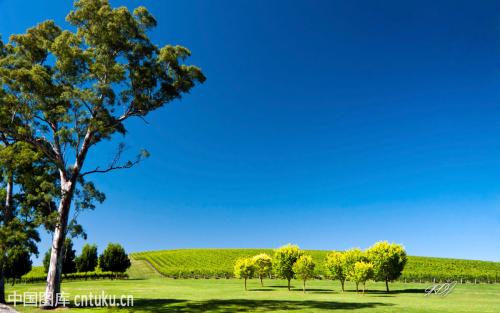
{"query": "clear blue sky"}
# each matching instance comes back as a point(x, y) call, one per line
point(329, 124)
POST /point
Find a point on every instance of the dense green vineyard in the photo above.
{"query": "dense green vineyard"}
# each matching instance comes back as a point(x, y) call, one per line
point(218, 263)
point(426, 268)
point(37, 274)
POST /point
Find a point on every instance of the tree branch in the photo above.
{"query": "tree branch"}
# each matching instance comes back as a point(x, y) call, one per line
point(114, 164)
point(111, 168)
point(40, 143)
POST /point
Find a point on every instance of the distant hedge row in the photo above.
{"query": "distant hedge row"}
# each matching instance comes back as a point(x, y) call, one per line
point(34, 277)
point(218, 263)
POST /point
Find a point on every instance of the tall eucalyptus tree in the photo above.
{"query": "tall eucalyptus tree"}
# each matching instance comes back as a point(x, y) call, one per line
point(68, 90)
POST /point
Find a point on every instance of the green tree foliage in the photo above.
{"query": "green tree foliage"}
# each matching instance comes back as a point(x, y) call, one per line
point(26, 201)
point(335, 265)
point(69, 256)
point(65, 91)
point(283, 261)
point(263, 265)
point(244, 268)
point(351, 257)
point(304, 269)
point(18, 263)
point(87, 261)
point(389, 260)
point(46, 261)
point(68, 261)
point(362, 271)
point(114, 259)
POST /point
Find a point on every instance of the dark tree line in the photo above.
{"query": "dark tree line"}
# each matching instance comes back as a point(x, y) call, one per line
point(113, 259)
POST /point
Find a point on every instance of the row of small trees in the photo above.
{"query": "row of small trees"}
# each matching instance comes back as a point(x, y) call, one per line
point(381, 262)
point(113, 259)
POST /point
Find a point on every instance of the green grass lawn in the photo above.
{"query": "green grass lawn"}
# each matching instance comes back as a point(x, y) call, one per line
point(227, 295)
point(141, 269)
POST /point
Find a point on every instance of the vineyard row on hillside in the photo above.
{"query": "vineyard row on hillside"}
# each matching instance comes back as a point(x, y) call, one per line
point(218, 263)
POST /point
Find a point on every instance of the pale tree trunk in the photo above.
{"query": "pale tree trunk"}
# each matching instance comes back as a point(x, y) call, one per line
point(357, 287)
point(8, 214)
point(56, 257)
point(68, 185)
point(364, 283)
point(8, 199)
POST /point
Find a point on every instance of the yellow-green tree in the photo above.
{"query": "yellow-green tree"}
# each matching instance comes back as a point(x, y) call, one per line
point(362, 271)
point(351, 257)
point(244, 268)
point(335, 265)
point(304, 269)
point(263, 265)
point(283, 261)
point(389, 260)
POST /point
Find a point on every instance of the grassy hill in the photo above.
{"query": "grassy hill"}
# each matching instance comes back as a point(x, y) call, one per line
point(142, 269)
point(218, 263)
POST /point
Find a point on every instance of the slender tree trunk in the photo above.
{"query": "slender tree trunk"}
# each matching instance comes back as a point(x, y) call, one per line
point(8, 199)
point(304, 287)
point(68, 184)
point(342, 283)
point(2, 285)
point(387, 285)
point(289, 284)
point(364, 283)
point(8, 215)
point(56, 253)
point(261, 283)
point(357, 287)
point(245, 284)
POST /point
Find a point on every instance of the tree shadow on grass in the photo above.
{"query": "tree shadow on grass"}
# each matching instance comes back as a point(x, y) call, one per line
point(391, 292)
point(397, 291)
point(314, 289)
point(308, 290)
point(322, 291)
point(245, 305)
point(148, 305)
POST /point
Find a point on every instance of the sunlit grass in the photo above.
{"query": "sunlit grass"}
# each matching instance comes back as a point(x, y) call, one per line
point(227, 295)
